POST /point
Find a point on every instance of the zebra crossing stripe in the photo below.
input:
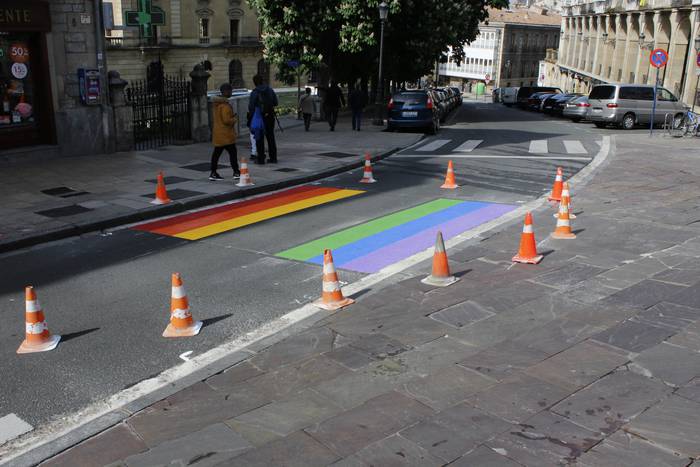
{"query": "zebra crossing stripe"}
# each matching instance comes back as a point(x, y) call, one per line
point(538, 146)
point(469, 145)
point(574, 147)
point(434, 145)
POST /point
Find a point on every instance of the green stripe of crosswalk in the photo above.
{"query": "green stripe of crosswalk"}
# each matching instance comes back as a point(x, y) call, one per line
point(344, 237)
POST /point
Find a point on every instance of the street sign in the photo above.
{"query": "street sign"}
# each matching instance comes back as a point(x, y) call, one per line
point(658, 58)
point(144, 17)
point(293, 63)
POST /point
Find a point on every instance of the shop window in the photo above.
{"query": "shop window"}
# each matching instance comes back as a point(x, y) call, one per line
point(17, 85)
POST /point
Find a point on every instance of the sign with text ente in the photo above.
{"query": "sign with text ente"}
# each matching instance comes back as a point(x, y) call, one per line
point(144, 17)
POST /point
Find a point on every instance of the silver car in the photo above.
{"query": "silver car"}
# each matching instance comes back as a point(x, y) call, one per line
point(628, 105)
point(576, 108)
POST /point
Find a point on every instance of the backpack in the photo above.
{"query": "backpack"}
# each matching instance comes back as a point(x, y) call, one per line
point(265, 103)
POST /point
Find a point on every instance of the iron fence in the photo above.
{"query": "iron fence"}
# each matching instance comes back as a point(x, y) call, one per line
point(161, 111)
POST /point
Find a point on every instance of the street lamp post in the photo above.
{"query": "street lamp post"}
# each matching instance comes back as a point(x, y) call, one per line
point(697, 71)
point(383, 13)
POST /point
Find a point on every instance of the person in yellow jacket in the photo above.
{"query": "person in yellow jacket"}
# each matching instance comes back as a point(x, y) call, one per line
point(224, 132)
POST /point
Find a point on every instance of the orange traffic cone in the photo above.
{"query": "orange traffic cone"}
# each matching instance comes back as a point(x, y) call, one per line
point(181, 322)
point(37, 335)
point(450, 178)
point(440, 276)
point(368, 177)
point(161, 194)
point(566, 193)
point(245, 175)
point(557, 187)
point(332, 297)
point(563, 230)
point(527, 253)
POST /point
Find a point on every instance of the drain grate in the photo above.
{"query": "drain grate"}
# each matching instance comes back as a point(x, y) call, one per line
point(63, 192)
point(287, 169)
point(71, 210)
point(170, 180)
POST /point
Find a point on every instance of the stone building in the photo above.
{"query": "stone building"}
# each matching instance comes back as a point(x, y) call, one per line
point(611, 41)
point(508, 49)
point(45, 108)
point(224, 35)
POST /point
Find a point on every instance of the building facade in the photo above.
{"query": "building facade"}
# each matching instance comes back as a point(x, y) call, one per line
point(610, 41)
point(51, 94)
point(508, 50)
point(224, 35)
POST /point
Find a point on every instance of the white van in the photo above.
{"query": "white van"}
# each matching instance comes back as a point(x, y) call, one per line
point(509, 96)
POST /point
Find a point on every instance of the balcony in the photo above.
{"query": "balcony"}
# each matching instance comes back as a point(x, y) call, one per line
point(174, 43)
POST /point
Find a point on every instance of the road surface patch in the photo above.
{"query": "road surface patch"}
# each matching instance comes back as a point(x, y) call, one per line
point(11, 426)
point(201, 224)
point(371, 246)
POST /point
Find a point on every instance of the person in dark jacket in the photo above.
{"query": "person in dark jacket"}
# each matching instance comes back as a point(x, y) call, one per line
point(265, 99)
point(358, 101)
point(334, 100)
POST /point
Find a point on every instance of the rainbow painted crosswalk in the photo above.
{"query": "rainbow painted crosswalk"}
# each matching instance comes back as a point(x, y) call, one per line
point(371, 246)
point(201, 224)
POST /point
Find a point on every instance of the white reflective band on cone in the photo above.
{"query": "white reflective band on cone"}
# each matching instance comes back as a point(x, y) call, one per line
point(328, 268)
point(36, 328)
point(527, 228)
point(178, 292)
point(181, 314)
point(32, 306)
point(563, 223)
point(331, 286)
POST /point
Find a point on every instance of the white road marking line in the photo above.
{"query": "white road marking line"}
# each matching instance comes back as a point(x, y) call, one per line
point(174, 377)
point(469, 145)
point(434, 145)
point(538, 146)
point(11, 426)
point(186, 355)
point(475, 156)
point(574, 147)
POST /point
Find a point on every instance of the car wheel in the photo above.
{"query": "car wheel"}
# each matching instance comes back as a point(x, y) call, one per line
point(390, 128)
point(600, 124)
point(576, 119)
point(628, 121)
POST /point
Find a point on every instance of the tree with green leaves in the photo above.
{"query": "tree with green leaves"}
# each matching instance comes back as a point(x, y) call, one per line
point(341, 37)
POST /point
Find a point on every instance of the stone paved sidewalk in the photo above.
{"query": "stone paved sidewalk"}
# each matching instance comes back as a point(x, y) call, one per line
point(63, 197)
point(591, 358)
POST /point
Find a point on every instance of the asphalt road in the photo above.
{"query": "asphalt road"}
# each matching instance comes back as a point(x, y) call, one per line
point(108, 294)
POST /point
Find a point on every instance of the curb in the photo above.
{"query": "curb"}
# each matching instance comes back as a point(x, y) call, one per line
point(176, 207)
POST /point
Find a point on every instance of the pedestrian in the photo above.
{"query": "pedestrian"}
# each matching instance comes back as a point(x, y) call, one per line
point(224, 133)
point(263, 101)
point(358, 101)
point(306, 104)
point(253, 145)
point(334, 100)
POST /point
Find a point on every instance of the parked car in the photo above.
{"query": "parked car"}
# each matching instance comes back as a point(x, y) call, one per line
point(560, 104)
point(576, 108)
point(509, 96)
point(449, 97)
point(525, 92)
point(497, 95)
point(458, 94)
point(535, 100)
point(551, 104)
point(414, 109)
point(628, 105)
point(443, 104)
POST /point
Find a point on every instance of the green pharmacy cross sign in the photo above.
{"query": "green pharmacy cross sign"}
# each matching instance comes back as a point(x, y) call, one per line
point(144, 17)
